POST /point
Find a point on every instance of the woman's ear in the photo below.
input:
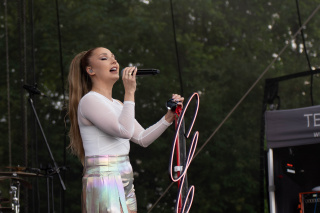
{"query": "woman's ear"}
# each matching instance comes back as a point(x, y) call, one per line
point(90, 71)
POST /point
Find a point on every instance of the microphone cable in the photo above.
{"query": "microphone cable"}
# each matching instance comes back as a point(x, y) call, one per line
point(176, 48)
point(305, 50)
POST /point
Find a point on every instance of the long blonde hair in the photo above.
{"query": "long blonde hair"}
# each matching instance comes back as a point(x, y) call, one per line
point(79, 84)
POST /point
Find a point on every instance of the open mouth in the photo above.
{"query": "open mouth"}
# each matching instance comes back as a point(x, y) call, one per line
point(113, 69)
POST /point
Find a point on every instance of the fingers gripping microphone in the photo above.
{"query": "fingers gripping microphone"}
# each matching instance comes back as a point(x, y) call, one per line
point(144, 72)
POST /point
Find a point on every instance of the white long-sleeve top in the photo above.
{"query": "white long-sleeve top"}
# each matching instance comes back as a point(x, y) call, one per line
point(107, 126)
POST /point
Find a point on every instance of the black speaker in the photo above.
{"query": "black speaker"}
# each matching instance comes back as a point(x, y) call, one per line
point(309, 202)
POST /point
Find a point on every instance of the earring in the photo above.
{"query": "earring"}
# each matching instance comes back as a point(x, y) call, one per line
point(91, 71)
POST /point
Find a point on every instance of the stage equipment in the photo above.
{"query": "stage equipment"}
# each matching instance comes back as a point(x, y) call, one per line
point(17, 181)
point(14, 194)
point(51, 170)
point(185, 197)
point(293, 144)
point(289, 134)
point(22, 174)
point(309, 202)
point(16, 168)
point(55, 170)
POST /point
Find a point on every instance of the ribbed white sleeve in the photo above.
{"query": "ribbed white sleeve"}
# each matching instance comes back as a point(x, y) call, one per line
point(106, 126)
point(144, 137)
point(98, 111)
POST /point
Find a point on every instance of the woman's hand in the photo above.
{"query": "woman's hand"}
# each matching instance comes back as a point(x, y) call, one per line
point(170, 116)
point(129, 82)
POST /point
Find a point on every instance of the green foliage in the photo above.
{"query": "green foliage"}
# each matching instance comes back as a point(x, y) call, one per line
point(223, 46)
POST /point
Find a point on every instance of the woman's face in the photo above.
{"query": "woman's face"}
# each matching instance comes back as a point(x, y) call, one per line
point(103, 65)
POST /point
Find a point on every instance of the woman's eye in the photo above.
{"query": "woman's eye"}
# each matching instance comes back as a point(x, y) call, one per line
point(104, 58)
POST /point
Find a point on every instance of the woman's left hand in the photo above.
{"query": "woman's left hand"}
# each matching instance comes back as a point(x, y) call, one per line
point(170, 116)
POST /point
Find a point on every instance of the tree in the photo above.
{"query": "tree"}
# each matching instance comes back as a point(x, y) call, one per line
point(223, 46)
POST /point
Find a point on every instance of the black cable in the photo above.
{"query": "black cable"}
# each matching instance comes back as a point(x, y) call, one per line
point(23, 76)
point(34, 142)
point(295, 75)
point(62, 192)
point(176, 48)
point(60, 53)
point(306, 53)
point(32, 41)
point(182, 140)
point(24, 19)
point(23, 70)
point(8, 82)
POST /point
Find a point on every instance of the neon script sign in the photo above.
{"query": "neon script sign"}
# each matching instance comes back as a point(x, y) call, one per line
point(181, 205)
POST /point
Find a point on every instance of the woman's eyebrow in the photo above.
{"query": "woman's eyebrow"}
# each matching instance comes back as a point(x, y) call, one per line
point(104, 54)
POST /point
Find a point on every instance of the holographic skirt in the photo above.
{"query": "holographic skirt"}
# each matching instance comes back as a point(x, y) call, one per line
point(107, 185)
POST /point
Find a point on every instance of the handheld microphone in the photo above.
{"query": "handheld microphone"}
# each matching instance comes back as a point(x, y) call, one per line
point(143, 72)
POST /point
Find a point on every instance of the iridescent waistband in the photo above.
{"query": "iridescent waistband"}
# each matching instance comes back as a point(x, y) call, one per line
point(106, 163)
